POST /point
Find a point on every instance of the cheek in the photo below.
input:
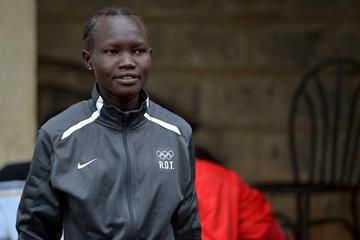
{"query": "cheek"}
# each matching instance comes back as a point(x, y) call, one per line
point(102, 76)
point(147, 65)
point(101, 69)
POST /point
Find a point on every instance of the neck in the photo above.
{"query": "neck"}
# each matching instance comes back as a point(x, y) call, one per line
point(123, 103)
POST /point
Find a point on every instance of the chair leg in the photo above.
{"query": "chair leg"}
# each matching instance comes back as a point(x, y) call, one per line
point(306, 227)
point(354, 210)
point(298, 222)
point(302, 231)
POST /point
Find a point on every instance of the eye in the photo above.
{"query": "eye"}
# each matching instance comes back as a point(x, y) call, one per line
point(140, 51)
point(112, 51)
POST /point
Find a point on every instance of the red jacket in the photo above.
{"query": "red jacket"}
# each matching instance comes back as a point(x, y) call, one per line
point(229, 209)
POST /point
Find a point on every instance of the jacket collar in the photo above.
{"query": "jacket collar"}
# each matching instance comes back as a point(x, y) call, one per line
point(114, 117)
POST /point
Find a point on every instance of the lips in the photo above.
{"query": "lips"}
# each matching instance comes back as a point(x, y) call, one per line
point(127, 77)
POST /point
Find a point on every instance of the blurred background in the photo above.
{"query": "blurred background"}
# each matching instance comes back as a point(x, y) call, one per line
point(231, 66)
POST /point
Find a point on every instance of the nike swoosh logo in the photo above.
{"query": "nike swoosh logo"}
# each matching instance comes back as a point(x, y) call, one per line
point(80, 166)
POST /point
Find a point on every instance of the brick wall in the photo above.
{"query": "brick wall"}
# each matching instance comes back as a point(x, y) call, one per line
point(232, 65)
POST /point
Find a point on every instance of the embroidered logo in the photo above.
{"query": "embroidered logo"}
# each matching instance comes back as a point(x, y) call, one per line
point(80, 166)
point(165, 158)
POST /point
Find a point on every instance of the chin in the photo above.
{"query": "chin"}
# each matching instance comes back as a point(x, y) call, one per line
point(128, 93)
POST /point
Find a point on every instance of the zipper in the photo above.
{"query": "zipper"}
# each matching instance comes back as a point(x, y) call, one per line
point(129, 183)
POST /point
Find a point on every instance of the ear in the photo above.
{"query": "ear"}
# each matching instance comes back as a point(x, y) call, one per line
point(150, 51)
point(86, 58)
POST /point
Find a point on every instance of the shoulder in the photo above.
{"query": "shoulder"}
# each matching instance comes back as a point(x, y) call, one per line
point(157, 112)
point(208, 169)
point(56, 125)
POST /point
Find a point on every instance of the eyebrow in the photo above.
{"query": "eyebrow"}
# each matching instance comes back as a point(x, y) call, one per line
point(132, 43)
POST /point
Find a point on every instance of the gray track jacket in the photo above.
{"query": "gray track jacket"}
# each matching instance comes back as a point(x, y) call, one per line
point(99, 173)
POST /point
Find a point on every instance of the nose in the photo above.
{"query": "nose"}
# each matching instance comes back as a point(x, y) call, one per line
point(126, 60)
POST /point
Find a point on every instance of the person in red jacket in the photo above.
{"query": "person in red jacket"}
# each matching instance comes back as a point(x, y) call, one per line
point(229, 209)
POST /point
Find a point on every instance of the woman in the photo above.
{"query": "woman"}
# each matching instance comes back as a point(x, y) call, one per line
point(117, 166)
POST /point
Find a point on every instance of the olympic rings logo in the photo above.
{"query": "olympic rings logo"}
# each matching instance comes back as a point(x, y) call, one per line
point(165, 154)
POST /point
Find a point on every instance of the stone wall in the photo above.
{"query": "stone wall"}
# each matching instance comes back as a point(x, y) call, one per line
point(232, 65)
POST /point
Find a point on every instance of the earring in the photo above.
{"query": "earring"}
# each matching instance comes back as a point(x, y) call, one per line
point(90, 68)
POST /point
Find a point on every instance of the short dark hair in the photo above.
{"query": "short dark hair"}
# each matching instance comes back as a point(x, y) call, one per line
point(109, 12)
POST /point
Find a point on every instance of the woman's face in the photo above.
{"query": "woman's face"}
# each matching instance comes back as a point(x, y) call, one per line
point(120, 58)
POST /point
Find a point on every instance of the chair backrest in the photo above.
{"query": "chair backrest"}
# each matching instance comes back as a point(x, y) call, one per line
point(324, 124)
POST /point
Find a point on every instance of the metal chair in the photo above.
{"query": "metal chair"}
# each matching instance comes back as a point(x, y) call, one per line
point(324, 131)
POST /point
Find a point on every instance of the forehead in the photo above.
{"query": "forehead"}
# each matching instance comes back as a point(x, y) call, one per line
point(119, 28)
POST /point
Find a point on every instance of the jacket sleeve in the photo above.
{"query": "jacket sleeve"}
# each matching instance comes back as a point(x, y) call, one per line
point(255, 216)
point(185, 220)
point(39, 213)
